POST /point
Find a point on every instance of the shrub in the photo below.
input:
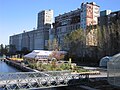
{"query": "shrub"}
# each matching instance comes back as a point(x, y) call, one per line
point(32, 65)
point(47, 67)
point(54, 67)
point(65, 66)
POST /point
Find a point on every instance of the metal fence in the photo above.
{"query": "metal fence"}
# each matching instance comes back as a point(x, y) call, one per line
point(32, 80)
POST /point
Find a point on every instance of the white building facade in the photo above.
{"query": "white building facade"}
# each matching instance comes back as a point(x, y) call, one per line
point(89, 14)
point(44, 17)
point(89, 17)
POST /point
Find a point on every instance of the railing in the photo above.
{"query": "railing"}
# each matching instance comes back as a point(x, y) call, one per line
point(33, 80)
point(58, 73)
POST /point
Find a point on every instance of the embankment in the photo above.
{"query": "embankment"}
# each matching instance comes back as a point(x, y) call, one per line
point(20, 66)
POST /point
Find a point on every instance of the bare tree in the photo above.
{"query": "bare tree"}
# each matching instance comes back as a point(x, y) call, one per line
point(75, 43)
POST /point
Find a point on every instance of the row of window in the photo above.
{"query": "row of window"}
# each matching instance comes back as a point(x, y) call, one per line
point(72, 27)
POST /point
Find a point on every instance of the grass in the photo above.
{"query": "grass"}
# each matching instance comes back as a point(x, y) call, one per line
point(54, 67)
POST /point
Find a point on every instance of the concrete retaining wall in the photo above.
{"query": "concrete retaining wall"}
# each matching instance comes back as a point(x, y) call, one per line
point(20, 66)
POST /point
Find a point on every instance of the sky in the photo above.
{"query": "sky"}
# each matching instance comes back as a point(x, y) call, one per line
point(19, 15)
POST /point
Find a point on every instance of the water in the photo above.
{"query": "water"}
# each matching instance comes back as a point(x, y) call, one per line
point(7, 68)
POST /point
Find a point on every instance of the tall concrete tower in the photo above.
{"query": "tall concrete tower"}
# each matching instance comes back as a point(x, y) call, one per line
point(45, 17)
point(89, 14)
point(44, 23)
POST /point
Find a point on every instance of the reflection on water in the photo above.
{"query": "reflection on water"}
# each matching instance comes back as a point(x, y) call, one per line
point(6, 68)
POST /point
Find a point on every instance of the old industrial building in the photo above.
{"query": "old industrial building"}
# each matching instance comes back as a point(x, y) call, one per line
point(87, 15)
point(37, 38)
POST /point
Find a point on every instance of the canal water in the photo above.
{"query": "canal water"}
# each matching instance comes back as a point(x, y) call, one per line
point(4, 68)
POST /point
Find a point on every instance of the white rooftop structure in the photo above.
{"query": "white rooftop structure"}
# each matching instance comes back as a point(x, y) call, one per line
point(42, 54)
point(35, 54)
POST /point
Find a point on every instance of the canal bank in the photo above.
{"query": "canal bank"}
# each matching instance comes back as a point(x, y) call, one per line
point(5, 68)
point(19, 66)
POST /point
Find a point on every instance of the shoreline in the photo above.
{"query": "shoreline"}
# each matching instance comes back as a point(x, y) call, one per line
point(20, 66)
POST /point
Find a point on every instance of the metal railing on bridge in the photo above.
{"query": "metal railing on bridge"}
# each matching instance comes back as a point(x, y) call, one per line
point(35, 80)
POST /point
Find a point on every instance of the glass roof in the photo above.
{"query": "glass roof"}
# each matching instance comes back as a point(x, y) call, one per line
point(115, 58)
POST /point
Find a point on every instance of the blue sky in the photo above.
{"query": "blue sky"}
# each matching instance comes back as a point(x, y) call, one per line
point(19, 15)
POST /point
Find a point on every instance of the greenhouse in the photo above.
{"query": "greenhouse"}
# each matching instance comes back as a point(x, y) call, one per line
point(104, 60)
point(113, 67)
